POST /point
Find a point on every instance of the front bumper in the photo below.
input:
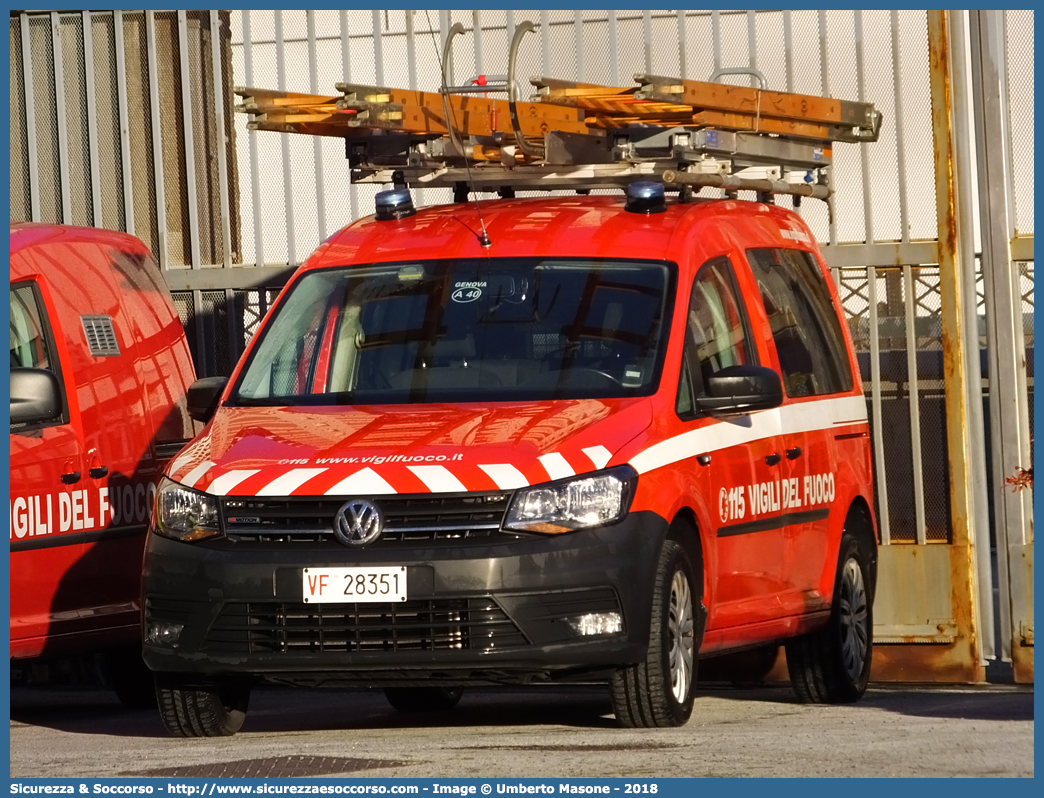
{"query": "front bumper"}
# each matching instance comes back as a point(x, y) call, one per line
point(475, 614)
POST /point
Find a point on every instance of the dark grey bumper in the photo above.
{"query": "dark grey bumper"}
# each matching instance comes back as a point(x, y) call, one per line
point(475, 614)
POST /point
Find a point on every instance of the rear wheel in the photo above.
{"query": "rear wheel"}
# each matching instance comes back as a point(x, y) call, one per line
point(659, 691)
point(423, 699)
point(832, 664)
point(190, 707)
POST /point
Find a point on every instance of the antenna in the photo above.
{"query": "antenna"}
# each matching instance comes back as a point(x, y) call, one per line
point(451, 121)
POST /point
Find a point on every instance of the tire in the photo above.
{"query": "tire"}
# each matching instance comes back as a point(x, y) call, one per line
point(193, 708)
point(423, 699)
point(659, 691)
point(130, 678)
point(832, 664)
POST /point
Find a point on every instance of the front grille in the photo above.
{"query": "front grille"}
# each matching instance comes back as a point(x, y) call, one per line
point(475, 624)
point(468, 518)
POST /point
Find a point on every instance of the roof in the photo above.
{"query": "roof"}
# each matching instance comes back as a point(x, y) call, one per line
point(576, 226)
point(27, 234)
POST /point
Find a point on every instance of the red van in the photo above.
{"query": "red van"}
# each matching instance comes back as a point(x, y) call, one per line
point(532, 440)
point(99, 371)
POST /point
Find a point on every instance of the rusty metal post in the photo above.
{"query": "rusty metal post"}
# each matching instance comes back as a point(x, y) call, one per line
point(966, 210)
point(962, 562)
point(1009, 425)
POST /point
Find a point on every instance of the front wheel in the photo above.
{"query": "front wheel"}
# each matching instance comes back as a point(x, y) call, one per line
point(659, 691)
point(191, 707)
point(832, 664)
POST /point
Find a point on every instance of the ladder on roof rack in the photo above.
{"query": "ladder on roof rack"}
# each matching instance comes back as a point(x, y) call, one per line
point(576, 136)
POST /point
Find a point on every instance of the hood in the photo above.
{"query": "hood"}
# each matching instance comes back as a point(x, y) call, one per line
point(309, 451)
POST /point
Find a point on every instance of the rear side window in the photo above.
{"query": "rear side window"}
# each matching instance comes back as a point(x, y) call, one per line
point(804, 322)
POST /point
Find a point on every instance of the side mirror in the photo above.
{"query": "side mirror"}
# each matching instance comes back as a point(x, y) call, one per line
point(36, 396)
point(742, 389)
point(203, 397)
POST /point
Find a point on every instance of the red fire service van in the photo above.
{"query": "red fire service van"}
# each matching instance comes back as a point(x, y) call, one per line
point(525, 441)
point(99, 371)
point(533, 440)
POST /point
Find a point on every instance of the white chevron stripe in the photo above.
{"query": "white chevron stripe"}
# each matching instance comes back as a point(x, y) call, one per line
point(289, 482)
point(804, 417)
point(365, 482)
point(507, 477)
point(599, 455)
point(556, 466)
point(183, 460)
point(227, 481)
point(193, 476)
point(438, 479)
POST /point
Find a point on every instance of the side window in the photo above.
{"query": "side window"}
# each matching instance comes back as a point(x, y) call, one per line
point(804, 322)
point(32, 344)
point(718, 335)
point(29, 348)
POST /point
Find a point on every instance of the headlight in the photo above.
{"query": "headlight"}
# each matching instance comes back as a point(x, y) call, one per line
point(580, 503)
point(184, 514)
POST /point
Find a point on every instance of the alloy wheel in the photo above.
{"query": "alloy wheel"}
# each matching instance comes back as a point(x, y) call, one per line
point(855, 632)
point(680, 626)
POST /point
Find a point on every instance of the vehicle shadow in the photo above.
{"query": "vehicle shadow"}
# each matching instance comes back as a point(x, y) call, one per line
point(290, 710)
point(287, 710)
point(959, 702)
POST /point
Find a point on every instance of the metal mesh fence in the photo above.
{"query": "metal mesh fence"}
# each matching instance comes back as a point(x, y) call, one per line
point(172, 124)
point(187, 313)
point(143, 182)
point(1026, 291)
point(74, 102)
point(226, 322)
point(21, 202)
point(204, 155)
point(45, 115)
point(916, 109)
point(1019, 26)
point(1026, 283)
point(107, 121)
point(894, 296)
point(699, 50)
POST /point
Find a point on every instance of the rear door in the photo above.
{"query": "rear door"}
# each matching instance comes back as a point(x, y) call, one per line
point(742, 465)
point(47, 508)
point(814, 364)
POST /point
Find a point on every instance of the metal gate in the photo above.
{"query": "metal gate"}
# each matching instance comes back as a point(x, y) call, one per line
point(936, 275)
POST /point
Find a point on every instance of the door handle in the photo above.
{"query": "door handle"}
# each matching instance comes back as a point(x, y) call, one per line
point(70, 477)
point(794, 454)
point(97, 472)
point(773, 458)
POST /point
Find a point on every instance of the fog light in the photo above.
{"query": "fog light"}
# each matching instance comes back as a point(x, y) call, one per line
point(163, 633)
point(596, 623)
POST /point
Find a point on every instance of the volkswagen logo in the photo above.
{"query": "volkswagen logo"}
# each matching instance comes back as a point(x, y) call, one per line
point(357, 523)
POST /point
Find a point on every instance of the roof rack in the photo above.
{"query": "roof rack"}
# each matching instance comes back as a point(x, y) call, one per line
point(576, 136)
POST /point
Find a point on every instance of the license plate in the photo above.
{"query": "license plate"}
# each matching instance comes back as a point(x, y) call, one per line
point(380, 583)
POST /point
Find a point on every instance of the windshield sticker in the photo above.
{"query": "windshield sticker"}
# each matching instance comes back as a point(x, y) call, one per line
point(411, 273)
point(467, 291)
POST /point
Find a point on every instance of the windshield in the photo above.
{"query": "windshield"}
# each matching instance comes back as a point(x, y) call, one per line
point(464, 330)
